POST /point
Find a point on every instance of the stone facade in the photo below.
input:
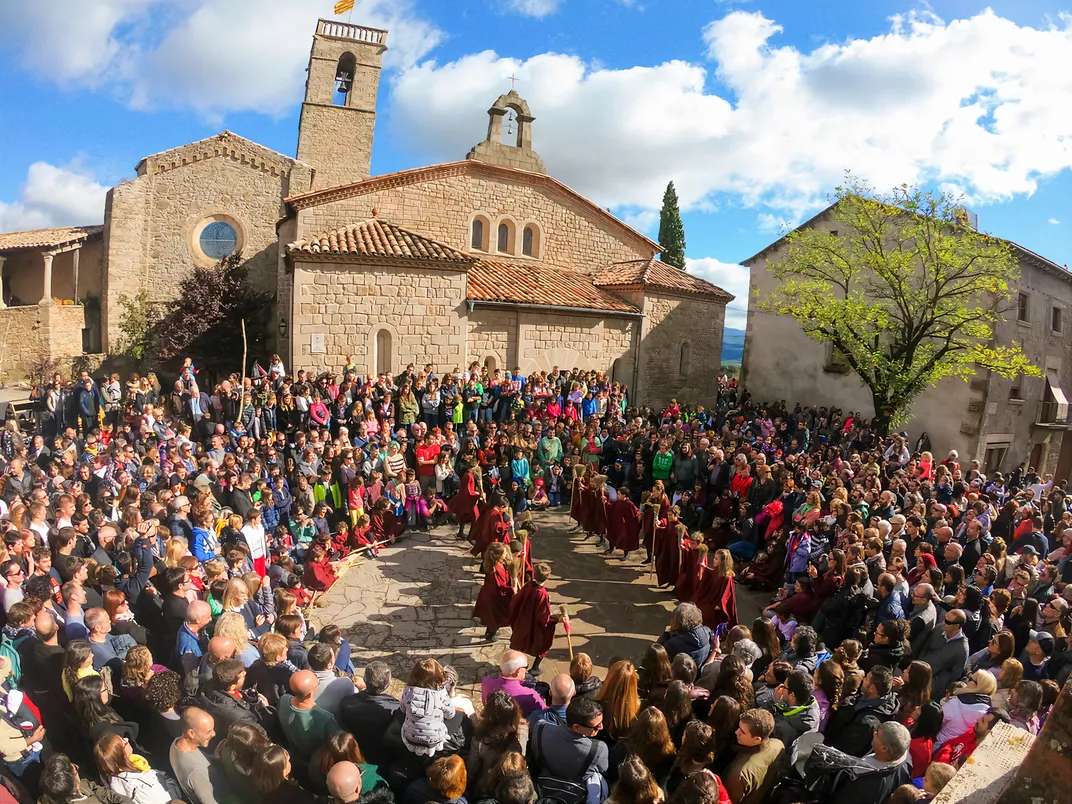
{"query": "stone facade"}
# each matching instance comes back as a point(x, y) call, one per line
point(681, 349)
point(24, 275)
point(152, 223)
point(346, 307)
point(441, 202)
point(30, 331)
point(979, 419)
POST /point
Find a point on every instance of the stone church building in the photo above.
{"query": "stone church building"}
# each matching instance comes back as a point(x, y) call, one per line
point(485, 259)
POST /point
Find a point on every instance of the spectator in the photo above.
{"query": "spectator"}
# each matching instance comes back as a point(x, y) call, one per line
point(751, 776)
point(305, 725)
point(511, 675)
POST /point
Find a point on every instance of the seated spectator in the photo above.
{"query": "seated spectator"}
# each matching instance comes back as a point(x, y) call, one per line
point(562, 691)
point(687, 634)
point(270, 674)
point(237, 753)
point(497, 731)
point(342, 747)
point(967, 705)
point(344, 783)
point(795, 709)
point(224, 699)
point(200, 782)
point(305, 725)
point(366, 714)
point(272, 779)
point(511, 675)
point(127, 773)
point(957, 750)
point(586, 683)
point(750, 776)
point(444, 783)
point(650, 740)
point(332, 688)
point(426, 706)
point(890, 763)
point(851, 727)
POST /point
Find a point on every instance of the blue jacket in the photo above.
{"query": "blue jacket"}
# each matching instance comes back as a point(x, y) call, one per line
point(892, 607)
point(204, 545)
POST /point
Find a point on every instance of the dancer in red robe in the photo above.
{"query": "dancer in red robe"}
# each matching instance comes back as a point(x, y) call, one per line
point(319, 574)
point(655, 508)
point(579, 484)
point(623, 525)
point(693, 552)
point(384, 526)
point(464, 504)
point(531, 619)
point(716, 596)
point(668, 548)
point(597, 517)
point(493, 603)
point(492, 525)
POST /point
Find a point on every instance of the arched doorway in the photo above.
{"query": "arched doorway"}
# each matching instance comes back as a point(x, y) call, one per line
point(490, 363)
point(383, 351)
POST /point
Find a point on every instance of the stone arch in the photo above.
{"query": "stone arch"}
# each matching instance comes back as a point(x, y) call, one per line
point(371, 342)
point(685, 359)
point(505, 236)
point(491, 363)
point(480, 232)
point(531, 239)
point(344, 79)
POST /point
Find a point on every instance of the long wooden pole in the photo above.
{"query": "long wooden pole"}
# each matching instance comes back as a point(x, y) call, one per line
point(243, 356)
point(569, 638)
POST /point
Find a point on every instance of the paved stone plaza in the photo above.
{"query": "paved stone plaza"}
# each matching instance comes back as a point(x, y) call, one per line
point(416, 600)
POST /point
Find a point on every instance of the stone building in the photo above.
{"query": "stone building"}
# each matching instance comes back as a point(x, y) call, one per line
point(997, 421)
point(485, 259)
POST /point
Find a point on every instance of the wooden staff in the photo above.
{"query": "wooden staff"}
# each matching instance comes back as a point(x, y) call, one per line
point(569, 638)
point(654, 533)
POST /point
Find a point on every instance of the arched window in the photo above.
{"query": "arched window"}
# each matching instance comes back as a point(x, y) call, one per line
point(511, 131)
point(686, 358)
point(490, 364)
point(503, 242)
point(527, 238)
point(383, 351)
point(478, 234)
point(344, 79)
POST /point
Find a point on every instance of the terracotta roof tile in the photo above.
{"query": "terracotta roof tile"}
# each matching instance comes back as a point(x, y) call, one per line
point(539, 285)
point(377, 238)
point(48, 238)
point(657, 274)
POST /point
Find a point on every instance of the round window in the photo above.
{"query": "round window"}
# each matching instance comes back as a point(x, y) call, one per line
point(218, 240)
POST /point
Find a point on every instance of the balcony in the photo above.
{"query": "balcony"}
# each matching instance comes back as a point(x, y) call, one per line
point(354, 33)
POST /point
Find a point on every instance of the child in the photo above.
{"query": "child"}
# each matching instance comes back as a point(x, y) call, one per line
point(539, 500)
point(319, 574)
point(374, 488)
point(340, 541)
point(431, 510)
point(554, 493)
point(493, 603)
point(355, 498)
point(531, 619)
point(426, 705)
point(413, 496)
point(396, 499)
point(286, 602)
point(519, 467)
point(361, 537)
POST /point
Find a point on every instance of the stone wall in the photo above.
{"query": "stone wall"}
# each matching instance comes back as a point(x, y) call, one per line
point(573, 236)
point(20, 340)
point(675, 325)
point(423, 311)
point(492, 333)
point(152, 222)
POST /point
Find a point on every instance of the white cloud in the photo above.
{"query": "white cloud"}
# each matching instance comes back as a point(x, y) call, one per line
point(212, 56)
point(1053, 221)
point(54, 196)
point(534, 8)
point(645, 220)
point(980, 104)
point(730, 277)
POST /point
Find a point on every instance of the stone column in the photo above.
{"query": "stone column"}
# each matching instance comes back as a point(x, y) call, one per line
point(46, 296)
point(2, 304)
point(74, 272)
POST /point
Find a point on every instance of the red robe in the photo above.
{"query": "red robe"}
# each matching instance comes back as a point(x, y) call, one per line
point(493, 603)
point(667, 553)
point(491, 527)
point(464, 504)
point(623, 526)
point(717, 600)
point(576, 506)
point(359, 537)
point(530, 618)
point(645, 523)
point(685, 586)
point(597, 515)
point(319, 575)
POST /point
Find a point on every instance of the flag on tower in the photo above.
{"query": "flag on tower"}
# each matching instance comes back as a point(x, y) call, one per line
point(343, 6)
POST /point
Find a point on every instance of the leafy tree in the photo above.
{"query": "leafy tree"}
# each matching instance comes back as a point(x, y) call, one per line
point(671, 230)
point(204, 322)
point(906, 291)
point(137, 318)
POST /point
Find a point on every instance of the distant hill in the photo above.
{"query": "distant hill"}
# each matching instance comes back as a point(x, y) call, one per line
point(732, 345)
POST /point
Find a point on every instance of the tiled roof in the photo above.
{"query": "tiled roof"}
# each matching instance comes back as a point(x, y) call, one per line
point(47, 238)
point(657, 274)
point(539, 285)
point(377, 238)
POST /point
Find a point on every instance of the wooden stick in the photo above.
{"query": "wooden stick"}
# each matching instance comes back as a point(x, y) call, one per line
point(654, 534)
point(243, 354)
point(569, 638)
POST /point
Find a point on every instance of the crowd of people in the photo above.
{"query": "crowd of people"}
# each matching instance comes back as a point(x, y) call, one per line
point(164, 547)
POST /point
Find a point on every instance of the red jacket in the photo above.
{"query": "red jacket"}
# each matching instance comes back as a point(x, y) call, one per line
point(955, 751)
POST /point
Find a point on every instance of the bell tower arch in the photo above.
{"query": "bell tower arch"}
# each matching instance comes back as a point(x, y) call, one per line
point(338, 116)
point(509, 111)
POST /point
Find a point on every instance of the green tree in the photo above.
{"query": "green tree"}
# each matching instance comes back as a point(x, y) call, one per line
point(671, 230)
point(137, 319)
point(905, 290)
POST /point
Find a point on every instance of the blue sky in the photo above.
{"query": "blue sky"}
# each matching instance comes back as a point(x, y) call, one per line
point(753, 108)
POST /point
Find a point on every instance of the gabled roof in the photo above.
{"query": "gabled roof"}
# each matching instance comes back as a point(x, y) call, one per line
point(48, 238)
point(465, 167)
point(376, 238)
point(1025, 254)
point(657, 275)
point(226, 143)
point(540, 285)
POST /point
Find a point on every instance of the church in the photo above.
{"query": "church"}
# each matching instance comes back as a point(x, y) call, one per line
point(486, 259)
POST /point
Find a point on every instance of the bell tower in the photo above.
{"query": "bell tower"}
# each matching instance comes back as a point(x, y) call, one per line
point(338, 116)
point(509, 140)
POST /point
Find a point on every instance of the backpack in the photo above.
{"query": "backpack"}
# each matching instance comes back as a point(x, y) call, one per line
point(556, 790)
point(9, 649)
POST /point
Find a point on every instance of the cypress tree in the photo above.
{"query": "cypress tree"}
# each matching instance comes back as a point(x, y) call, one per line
point(671, 230)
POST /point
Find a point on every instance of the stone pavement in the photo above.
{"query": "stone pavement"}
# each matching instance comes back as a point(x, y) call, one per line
point(416, 600)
